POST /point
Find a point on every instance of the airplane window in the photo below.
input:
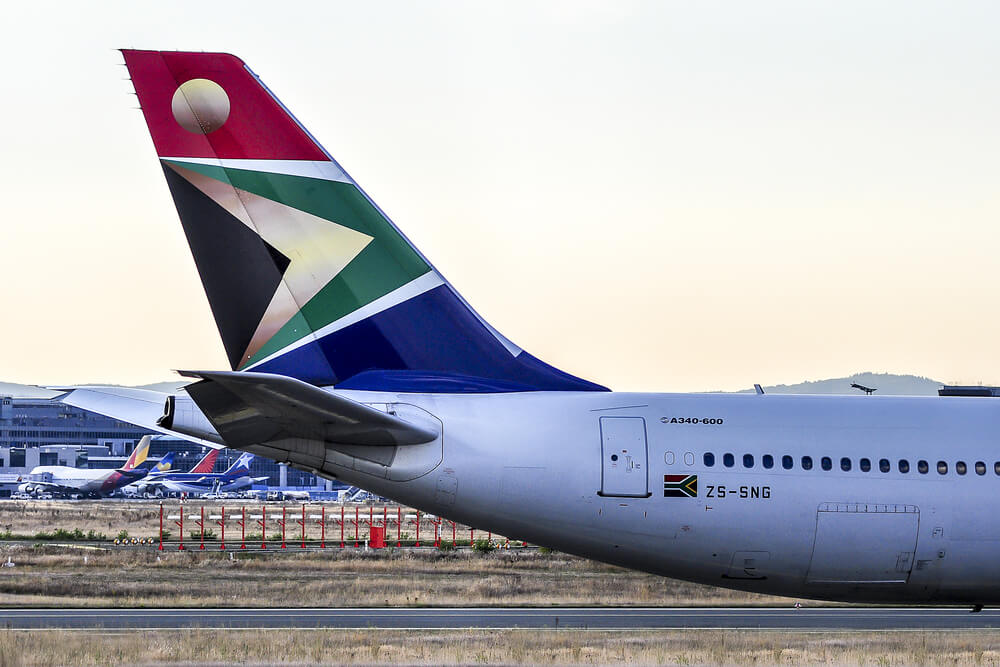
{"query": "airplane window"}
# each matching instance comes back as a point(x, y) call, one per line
point(826, 463)
point(980, 468)
point(960, 467)
point(996, 467)
point(748, 460)
point(807, 463)
point(768, 461)
point(922, 467)
point(728, 460)
point(942, 467)
point(883, 465)
point(709, 459)
point(865, 464)
point(845, 464)
point(786, 462)
point(904, 465)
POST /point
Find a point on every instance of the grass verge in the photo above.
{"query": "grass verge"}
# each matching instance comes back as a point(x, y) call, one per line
point(698, 647)
point(64, 576)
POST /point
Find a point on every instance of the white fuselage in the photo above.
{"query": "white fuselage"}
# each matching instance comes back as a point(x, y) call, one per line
point(83, 480)
point(206, 485)
point(537, 466)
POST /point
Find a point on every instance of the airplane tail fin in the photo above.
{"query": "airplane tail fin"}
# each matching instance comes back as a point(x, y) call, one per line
point(165, 463)
point(207, 463)
point(305, 275)
point(240, 467)
point(139, 454)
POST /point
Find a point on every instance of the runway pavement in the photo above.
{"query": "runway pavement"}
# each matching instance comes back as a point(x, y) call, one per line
point(500, 618)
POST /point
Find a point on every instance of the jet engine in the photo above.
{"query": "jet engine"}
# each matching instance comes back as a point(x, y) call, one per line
point(180, 414)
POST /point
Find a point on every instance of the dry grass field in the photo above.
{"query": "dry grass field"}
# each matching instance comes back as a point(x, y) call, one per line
point(510, 647)
point(46, 574)
point(27, 517)
point(50, 575)
point(61, 576)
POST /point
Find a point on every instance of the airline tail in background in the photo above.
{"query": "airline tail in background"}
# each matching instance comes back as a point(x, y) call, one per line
point(240, 467)
point(207, 463)
point(305, 275)
point(139, 454)
point(165, 463)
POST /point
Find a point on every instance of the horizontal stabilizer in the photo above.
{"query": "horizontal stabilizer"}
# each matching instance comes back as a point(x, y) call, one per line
point(251, 408)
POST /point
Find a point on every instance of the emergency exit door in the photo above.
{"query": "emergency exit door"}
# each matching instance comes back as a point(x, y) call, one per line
point(624, 457)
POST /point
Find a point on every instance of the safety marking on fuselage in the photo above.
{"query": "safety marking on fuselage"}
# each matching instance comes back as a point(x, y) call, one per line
point(680, 486)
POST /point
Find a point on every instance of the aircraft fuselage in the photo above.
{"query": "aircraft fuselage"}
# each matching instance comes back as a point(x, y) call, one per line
point(538, 466)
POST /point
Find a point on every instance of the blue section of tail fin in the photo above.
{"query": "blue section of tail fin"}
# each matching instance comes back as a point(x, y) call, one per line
point(240, 467)
point(431, 343)
point(166, 462)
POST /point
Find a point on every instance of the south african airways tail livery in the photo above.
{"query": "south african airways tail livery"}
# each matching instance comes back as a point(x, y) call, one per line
point(353, 357)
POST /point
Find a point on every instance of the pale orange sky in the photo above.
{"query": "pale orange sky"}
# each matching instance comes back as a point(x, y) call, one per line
point(652, 195)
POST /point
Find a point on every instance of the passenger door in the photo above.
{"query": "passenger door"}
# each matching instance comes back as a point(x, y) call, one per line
point(624, 457)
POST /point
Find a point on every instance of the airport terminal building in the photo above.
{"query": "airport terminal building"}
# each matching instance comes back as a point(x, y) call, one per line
point(40, 431)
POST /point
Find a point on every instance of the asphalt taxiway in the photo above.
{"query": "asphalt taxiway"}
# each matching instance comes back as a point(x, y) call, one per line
point(617, 618)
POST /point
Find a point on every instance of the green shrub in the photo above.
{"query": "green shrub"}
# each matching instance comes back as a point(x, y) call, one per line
point(123, 535)
point(196, 534)
point(62, 534)
point(483, 546)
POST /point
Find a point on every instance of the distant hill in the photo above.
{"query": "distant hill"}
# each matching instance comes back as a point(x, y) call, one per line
point(166, 387)
point(887, 384)
point(33, 391)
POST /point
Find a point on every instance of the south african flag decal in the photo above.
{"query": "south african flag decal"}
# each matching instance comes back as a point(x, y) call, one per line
point(680, 486)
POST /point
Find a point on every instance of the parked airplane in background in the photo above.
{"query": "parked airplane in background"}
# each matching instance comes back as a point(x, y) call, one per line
point(80, 482)
point(354, 358)
point(149, 488)
point(235, 478)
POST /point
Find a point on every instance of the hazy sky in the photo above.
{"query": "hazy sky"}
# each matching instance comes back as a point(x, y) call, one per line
point(652, 195)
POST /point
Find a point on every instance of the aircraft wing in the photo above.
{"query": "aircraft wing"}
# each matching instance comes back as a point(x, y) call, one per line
point(250, 408)
point(141, 407)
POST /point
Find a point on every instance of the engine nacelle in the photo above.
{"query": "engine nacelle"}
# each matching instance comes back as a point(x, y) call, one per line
point(26, 488)
point(182, 415)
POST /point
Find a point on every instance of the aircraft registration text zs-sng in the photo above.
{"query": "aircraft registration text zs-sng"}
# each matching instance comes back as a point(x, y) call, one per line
point(743, 492)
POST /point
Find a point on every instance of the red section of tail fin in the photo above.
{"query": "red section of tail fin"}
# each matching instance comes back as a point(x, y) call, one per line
point(207, 464)
point(255, 127)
